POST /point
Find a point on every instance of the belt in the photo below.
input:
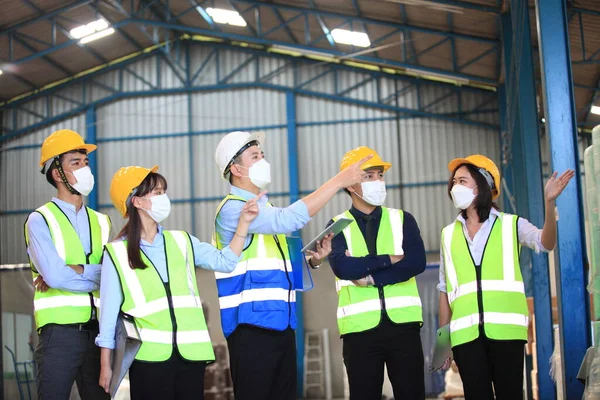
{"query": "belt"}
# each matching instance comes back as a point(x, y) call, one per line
point(91, 325)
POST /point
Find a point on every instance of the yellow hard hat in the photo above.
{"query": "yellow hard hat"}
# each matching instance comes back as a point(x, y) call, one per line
point(357, 154)
point(61, 142)
point(483, 162)
point(124, 181)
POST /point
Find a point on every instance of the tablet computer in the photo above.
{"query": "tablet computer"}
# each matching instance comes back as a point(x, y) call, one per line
point(334, 228)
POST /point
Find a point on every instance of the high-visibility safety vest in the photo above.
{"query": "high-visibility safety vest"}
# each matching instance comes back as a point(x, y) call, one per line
point(260, 290)
point(60, 306)
point(491, 294)
point(360, 307)
point(168, 315)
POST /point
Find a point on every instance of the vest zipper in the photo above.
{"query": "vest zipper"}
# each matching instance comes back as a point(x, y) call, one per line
point(287, 275)
point(382, 301)
point(172, 313)
point(169, 296)
point(479, 295)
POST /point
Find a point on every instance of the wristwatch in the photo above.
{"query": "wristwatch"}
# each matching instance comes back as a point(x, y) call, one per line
point(310, 262)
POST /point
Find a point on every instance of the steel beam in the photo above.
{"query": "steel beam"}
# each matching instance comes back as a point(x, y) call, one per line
point(559, 111)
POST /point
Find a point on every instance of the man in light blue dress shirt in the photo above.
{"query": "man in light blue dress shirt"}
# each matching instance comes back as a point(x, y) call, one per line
point(257, 299)
point(64, 241)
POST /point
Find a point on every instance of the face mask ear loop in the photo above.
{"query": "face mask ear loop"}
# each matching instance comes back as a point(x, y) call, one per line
point(63, 177)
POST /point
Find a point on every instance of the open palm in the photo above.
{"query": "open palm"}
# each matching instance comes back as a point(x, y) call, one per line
point(556, 184)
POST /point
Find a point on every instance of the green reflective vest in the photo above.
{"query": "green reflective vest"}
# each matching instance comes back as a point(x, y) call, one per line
point(168, 315)
point(360, 308)
point(491, 294)
point(60, 306)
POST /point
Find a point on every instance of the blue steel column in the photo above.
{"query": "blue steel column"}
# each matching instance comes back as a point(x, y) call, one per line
point(506, 167)
point(293, 168)
point(536, 200)
point(528, 176)
point(190, 139)
point(559, 110)
point(90, 137)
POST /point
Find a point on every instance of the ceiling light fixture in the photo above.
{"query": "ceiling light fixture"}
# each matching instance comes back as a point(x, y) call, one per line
point(92, 31)
point(226, 17)
point(343, 36)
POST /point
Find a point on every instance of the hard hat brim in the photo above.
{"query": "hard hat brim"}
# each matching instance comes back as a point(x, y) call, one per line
point(383, 164)
point(87, 147)
point(452, 165)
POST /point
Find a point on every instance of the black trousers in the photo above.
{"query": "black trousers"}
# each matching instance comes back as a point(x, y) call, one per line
point(66, 354)
point(491, 366)
point(174, 379)
point(398, 346)
point(263, 363)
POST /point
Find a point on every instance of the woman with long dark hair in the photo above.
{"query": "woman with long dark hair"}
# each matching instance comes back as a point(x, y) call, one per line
point(482, 295)
point(148, 273)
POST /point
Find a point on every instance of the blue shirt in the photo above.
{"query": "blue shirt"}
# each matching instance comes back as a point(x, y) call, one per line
point(45, 258)
point(379, 266)
point(270, 220)
point(111, 295)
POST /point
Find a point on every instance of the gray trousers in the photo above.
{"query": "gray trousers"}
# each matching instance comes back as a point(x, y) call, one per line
point(65, 355)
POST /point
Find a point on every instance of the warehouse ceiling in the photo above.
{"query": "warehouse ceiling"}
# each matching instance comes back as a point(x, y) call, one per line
point(457, 41)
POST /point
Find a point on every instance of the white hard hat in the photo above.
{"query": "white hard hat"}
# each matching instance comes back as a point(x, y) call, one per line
point(232, 145)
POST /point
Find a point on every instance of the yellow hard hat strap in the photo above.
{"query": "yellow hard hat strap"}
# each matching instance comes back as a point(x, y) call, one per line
point(63, 177)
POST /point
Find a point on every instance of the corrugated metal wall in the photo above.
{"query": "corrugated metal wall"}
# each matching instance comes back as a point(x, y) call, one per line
point(24, 188)
point(180, 132)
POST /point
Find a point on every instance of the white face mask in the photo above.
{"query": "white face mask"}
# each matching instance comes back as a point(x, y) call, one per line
point(161, 207)
point(462, 196)
point(374, 192)
point(260, 173)
point(85, 180)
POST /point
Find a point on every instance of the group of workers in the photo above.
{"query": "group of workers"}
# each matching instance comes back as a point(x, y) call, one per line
point(85, 279)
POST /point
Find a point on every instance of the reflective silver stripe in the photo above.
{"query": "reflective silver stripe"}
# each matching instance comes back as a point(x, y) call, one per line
point(357, 308)
point(131, 279)
point(488, 286)
point(255, 264)
point(375, 305)
point(508, 258)
point(251, 295)
point(182, 241)
point(397, 231)
point(489, 318)
point(166, 337)
point(149, 308)
point(187, 337)
point(506, 318)
point(340, 283)
point(57, 236)
point(451, 275)
point(61, 301)
point(464, 322)
point(104, 228)
point(402, 301)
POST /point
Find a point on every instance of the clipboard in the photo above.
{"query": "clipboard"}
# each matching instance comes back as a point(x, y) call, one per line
point(127, 344)
point(334, 228)
point(442, 349)
point(303, 281)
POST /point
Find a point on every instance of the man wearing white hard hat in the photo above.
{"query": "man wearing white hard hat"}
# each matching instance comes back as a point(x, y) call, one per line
point(257, 299)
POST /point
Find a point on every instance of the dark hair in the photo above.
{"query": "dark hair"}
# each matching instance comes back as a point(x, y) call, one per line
point(132, 230)
point(483, 200)
point(52, 167)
